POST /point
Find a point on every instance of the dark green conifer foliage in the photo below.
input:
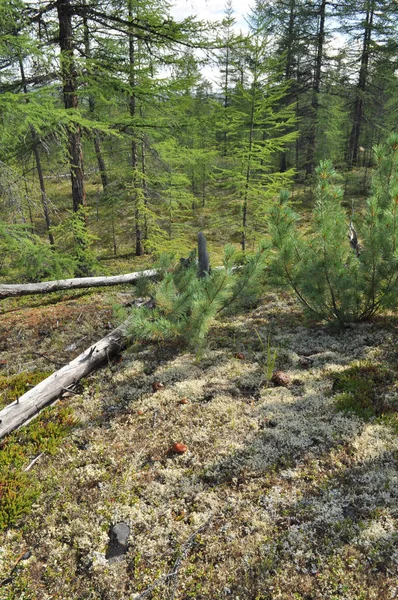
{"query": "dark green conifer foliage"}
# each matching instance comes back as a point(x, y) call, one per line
point(333, 281)
point(186, 306)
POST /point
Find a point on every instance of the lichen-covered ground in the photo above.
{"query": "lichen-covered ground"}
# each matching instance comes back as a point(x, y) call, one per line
point(281, 494)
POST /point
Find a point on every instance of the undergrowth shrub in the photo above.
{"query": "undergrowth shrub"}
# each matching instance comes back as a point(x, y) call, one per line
point(75, 241)
point(18, 488)
point(14, 386)
point(32, 259)
point(332, 279)
point(367, 390)
point(24, 254)
point(185, 306)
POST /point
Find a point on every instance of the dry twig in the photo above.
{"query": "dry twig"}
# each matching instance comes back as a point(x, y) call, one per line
point(173, 575)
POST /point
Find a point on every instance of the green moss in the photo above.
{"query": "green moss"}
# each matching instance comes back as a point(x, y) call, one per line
point(19, 489)
point(391, 420)
point(14, 386)
point(349, 402)
point(362, 389)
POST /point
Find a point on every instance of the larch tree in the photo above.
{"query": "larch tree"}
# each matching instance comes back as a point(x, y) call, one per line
point(261, 129)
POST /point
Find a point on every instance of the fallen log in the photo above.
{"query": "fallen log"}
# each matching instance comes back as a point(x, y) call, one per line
point(47, 391)
point(26, 289)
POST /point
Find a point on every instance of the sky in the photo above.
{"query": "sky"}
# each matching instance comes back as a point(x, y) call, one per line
point(210, 10)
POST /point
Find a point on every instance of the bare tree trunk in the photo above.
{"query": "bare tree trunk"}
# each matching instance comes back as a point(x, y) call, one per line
point(91, 103)
point(28, 406)
point(134, 151)
point(248, 169)
point(226, 96)
point(36, 154)
point(46, 287)
point(361, 87)
point(68, 72)
point(100, 161)
point(28, 202)
point(316, 89)
point(144, 186)
point(289, 66)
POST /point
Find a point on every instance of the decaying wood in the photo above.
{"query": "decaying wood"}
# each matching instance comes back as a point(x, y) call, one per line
point(47, 391)
point(26, 289)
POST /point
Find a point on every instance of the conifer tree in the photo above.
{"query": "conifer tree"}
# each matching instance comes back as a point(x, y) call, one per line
point(186, 306)
point(334, 277)
point(371, 23)
point(227, 60)
point(260, 130)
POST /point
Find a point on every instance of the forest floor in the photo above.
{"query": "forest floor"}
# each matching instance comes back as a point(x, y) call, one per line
point(283, 492)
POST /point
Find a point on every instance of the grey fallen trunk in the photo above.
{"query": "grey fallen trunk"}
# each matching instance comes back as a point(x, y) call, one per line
point(47, 391)
point(25, 289)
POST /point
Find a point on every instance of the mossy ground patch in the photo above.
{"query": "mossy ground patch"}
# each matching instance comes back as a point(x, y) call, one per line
point(299, 500)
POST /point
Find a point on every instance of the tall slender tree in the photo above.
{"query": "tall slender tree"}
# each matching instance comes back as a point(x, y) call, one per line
point(69, 86)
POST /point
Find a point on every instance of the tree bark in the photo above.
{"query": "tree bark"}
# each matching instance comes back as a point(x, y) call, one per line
point(249, 159)
point(316, 89)
point(100, 161)
point(361, 87)
point(26, 289)
point(30, 404)
point(91, 103)
point(36, 154)
point(289, 66)
point(134, 152)
point(68, 72)
point(144, 187)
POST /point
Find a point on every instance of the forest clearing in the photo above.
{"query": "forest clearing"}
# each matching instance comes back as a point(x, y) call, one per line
point(198, 300)
point(283, 492)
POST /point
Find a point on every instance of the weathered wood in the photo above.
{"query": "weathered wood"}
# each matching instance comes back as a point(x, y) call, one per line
point(203, 256)
point(47, 391)
point(26, 289)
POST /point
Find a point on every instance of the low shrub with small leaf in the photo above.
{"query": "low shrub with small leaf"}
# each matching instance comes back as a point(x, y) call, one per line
point(18, 488)
point(363, 389)
point(14, 386)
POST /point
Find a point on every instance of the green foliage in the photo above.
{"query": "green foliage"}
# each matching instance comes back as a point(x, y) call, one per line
point(19, 489)
point(258, 126)
point(14, 386)
point(271, 354)
point(332, 280)
point(186, 306)
point(33, 259)
point(77, 242)
point(361, 390)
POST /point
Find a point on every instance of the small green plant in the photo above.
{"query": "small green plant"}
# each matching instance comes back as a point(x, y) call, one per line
point(14, 386)
point(271, 355)
point(362, 388)
point(348, 402)
point(335, 277)
point(19, 489)
point(185, 306)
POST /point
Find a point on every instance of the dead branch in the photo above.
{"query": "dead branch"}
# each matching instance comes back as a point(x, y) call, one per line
point(177, 565)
